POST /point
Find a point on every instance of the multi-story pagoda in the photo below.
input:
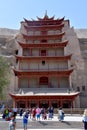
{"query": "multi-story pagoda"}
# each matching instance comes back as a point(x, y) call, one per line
point(43, 73)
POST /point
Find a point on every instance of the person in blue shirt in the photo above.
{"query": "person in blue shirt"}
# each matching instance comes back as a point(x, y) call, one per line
point(85, 119)
point(25, 120)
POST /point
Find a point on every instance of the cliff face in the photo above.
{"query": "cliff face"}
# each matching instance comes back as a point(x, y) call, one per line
point(8, 32)
point(8, 44)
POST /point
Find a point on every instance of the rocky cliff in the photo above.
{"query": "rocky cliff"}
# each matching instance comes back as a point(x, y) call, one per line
point(7, 43)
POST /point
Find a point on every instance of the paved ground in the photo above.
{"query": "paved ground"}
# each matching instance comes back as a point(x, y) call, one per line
point(71, 122)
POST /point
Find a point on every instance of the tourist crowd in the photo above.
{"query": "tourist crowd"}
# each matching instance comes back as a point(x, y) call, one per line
point(35, 113)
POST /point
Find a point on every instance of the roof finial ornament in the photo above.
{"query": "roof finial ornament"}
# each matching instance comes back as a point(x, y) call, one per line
point(46, 16)
point(46, 13)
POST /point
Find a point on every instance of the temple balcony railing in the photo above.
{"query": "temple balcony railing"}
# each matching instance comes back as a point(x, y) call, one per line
point(44, 36)
point(45, 27)
point(42, 33)
point(45, 56)
point(44, 69)
point(24, 41)
point(44, 90)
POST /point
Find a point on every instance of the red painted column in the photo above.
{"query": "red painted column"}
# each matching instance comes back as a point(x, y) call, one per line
point(28, 82)
point(18, 65)
point(26, 103)
point(72, 103)
point(58, 82)
point(48, 82)
point(39, 52)
point(14, 103)
point(58, 103)
point(18, 82)
point(38, 77)
point(48, 77)
point(55, 53)
point(38, 66)
point(31, 51)
point(38, 81)
point(46, 52)
point(50, 103)
point(38, 103)
point(61, 103)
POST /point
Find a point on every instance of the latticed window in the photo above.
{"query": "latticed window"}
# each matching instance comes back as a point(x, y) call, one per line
point(57, 40)
point(30, 41)
point(36, 41)
point(37, 32)
point(26, 52)
point(57, 31)
point(30, 33)
point(24, 65)
point(50, 41)
point(23, 83)
point(51, 32)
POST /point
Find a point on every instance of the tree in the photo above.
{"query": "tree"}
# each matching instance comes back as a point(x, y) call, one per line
point(4, 75)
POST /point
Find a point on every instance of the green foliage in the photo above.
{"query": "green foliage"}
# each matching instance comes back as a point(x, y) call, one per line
point(4, 74)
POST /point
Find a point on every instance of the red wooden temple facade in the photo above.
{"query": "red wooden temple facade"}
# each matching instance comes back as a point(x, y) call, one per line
point(42, 72)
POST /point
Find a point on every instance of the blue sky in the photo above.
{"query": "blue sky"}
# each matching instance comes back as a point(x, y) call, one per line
point(12, 12)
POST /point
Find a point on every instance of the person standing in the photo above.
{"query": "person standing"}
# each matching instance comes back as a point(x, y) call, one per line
point(34, 113)
point(85, 119)
point(50, 112)
point(38, 112)
point(21, 112)
point(2, 108)
point(25, 120)
point(6, 113)
point(15, 111)
point(12, 123)
point(60, 114)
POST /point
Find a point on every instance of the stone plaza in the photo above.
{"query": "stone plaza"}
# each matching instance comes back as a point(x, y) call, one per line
point(71, 122)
